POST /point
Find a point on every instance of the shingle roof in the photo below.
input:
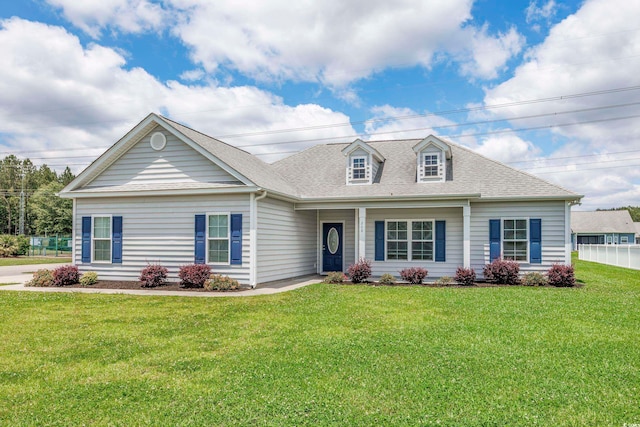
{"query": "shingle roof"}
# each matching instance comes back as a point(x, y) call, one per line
point(602, 222)
point(319, 172)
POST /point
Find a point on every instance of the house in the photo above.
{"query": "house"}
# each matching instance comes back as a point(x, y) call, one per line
point(637, 227)
point(165, 193)
point(602, 227)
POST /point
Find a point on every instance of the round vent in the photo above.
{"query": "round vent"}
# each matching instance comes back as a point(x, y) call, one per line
point(158, 141)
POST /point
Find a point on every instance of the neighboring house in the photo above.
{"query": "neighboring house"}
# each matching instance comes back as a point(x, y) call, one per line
point(168, 194)
point(602, 228)
point(637, 226)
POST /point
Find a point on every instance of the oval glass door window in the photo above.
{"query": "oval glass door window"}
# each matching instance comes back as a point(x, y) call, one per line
point(333, 240)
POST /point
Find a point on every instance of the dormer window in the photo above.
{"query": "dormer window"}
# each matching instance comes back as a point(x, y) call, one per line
point(431, 159)
point(431, 165)
point(359, 168)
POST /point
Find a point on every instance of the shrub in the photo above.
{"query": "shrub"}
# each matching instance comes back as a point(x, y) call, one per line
point(335, 277)
point(360, 271)
point(66, 275)
point(194, 275)
point(89, 278)
point(41, 278)
point(387, 279)
point(502, 272)
point(8, 246)
point(23, 243)
point(217, 282)
point(534, 279)
point(414, 275)
point(561, 275)
point(465, 276)
point(444, 281)
point(153, 275)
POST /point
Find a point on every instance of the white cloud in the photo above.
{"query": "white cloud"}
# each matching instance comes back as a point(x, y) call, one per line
point(328, 42)
point(61, 100)
point(390, 122)
point(593, 50)
point(539, 13)
point(128, 16)
point(507, 148)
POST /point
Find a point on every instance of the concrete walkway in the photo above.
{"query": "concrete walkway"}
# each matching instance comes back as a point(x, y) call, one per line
point(20, 274)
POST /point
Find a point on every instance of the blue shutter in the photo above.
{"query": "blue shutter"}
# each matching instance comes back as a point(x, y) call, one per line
point(494, 239)
point(200, 235)
point(116, 240)
point(441, 228)
point(236, 239)
point(379, 239)
point(535, 241)
point(86, 239)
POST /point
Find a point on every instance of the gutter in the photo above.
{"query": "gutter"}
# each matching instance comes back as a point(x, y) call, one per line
point(253, 238)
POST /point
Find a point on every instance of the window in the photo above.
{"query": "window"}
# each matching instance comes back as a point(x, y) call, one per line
point(410, 240)
point(101, 238)
point(431, 165)
point(624, 239)
point(422, 240)
point(515, 239)
point(359, 168)
point(218, 239)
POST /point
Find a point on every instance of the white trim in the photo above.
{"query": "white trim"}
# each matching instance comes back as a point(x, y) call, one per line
point(321, 250)
point(171, 192)
point(567, 234)
point(207, 238)
point(93, 239)
point(466, 236)
point(253, 238)
point(74, 230)
point(362, 233)
point(528, 240)
point(410, 239)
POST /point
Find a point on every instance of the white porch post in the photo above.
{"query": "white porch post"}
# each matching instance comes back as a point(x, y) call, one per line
point(567, 234)
point(466, 235)
point(362, 224)
point(253, 239)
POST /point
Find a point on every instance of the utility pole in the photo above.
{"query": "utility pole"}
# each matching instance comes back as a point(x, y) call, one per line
point(21, 226)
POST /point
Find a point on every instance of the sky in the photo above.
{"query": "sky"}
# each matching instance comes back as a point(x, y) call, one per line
point(550, 87)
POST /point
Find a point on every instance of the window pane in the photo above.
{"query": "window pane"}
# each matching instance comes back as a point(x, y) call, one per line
point(102, 227)
point(219, 251)
point(521, 224)
point(102, 250)
point(422, 251)
point(218, 226)
point(422, 230)
point(397, 250)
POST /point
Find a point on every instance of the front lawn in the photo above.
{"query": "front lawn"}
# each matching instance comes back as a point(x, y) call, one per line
point(24, 260)
point(328, 355)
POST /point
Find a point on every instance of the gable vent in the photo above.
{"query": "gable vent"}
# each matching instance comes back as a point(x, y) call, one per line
point(158, 141)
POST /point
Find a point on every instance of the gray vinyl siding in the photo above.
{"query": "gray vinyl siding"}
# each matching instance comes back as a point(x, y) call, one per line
point(454, 247)
point(176, 163)
point(553, 228)
point(348, 216)
point(160, 230)
point(286, 241)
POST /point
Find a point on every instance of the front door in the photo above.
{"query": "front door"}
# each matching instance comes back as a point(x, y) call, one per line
point(331, 247)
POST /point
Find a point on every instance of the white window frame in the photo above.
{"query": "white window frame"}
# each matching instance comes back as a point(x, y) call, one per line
point(409, 239)
point(527, 240)
point(363, 168)
point(228, 238)
point(624, 239)
point(94, 239)
point(437, 165)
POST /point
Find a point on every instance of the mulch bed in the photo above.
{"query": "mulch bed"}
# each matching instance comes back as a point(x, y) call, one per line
point(124, 284)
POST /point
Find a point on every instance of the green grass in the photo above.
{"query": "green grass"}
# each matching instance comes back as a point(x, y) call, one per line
point(328, 355)
point(33, 260)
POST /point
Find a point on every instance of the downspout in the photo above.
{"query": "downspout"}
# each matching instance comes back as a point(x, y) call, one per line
point(253, 238)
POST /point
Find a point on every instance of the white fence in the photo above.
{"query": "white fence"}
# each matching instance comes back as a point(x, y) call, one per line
point(627, 256)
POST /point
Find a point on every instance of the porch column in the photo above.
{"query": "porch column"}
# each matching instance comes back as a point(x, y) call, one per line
point(567, 234)
point(466, 235)
point(362, 226)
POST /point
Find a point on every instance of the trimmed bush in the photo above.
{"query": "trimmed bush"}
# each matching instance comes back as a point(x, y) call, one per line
point(444, 281)
point(465, 276)
point(89, 278)
point(502, 272)
point(66, 275)
point(534, 279)
point(561, 275)
point(41, 278)
point(217, 282)
point(194, 275)
point(360, 271)
point(335, 277)
point(153, 275)
point(414, 275)
point(24, 243)
point(387, 279)
point(11, 246)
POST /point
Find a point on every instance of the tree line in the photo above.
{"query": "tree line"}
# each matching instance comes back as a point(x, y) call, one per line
point(29, 203)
